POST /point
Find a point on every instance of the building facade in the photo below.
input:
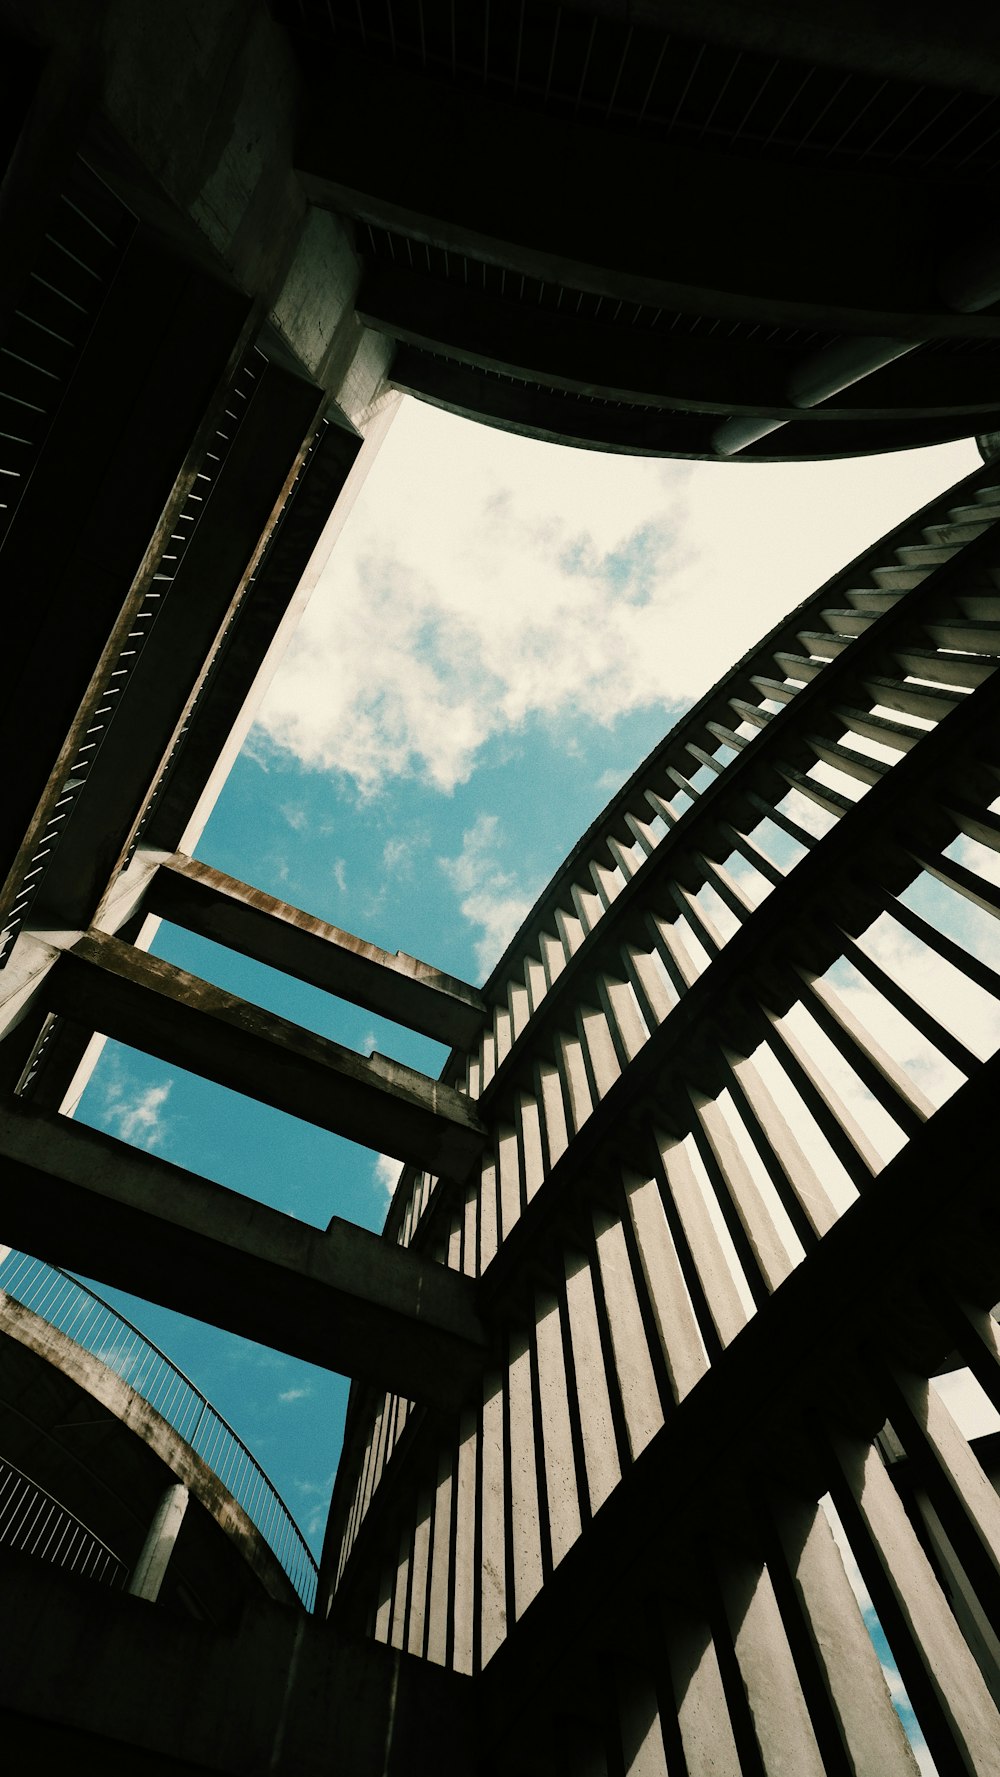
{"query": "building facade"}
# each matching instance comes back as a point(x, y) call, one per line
point(702, 1204)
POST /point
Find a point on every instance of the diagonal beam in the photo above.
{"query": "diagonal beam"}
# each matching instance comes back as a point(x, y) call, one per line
point(203, 900)
point(343, 1298)
point(112, 987)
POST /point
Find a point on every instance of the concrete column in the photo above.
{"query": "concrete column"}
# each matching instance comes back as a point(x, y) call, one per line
point(147, 1575)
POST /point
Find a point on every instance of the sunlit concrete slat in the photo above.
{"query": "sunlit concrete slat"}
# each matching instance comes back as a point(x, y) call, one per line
point(923, 1213)
point(343, 1298)
point(258, 925)
point(116, 989)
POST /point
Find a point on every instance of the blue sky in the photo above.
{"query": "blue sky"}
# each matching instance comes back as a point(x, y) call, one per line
point(502, 632)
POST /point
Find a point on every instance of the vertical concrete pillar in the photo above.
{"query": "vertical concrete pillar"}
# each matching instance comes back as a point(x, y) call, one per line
point(147, 1576)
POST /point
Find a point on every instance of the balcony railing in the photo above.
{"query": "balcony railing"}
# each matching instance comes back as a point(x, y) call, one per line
point(33, 1523)
point(92, 1323)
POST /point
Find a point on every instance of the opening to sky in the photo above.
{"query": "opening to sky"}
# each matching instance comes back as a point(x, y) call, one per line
point(505, 628)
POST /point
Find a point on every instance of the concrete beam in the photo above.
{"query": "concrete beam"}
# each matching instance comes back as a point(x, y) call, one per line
point(23, 1005)
point(238, 664)
point(203, 900)
point(546, 412)
point(565, 350)
point(100, 516)
point(670, 369)
point(110, 986)
point(268, 438)
point(344, 1298)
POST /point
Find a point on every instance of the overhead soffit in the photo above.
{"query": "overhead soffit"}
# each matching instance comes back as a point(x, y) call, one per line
point(634, 79)
point(391, 247)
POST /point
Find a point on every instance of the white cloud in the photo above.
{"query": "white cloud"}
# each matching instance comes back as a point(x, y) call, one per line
point(965, 1009)
point(274, 867)
point(977, 858)
point(135, 1114)
point(483, 579)
point(294, 1394)
point(950, 912)
point(490, 896)
point(397, 856)
point(296, 816)
point(959, 1006)
point(386, 1173)
point(315, 1496)
point(339, 874)
point(610, 780)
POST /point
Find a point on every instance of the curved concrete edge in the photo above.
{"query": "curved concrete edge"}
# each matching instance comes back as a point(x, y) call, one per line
point(139, 1417)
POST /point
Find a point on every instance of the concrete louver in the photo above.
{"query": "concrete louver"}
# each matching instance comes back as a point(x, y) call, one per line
point(707, 1136)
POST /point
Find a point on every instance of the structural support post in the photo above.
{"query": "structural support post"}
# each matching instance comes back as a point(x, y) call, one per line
point(149, 1570)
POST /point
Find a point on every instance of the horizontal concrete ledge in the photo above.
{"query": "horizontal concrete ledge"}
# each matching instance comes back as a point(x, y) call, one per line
point(112, 987)
point(399, 987)
point(344, 1298)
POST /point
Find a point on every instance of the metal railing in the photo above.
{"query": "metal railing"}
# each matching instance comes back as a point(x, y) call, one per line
point(33, 1523)
point(92, 1323)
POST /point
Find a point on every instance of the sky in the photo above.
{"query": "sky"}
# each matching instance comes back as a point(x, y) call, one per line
point(504, 629)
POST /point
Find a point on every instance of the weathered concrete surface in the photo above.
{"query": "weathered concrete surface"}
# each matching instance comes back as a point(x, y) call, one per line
point(23, 981)
point(226, 180)
point(345, 1298)
point(110, 986)
point(203, 900)
point(278, 1695)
